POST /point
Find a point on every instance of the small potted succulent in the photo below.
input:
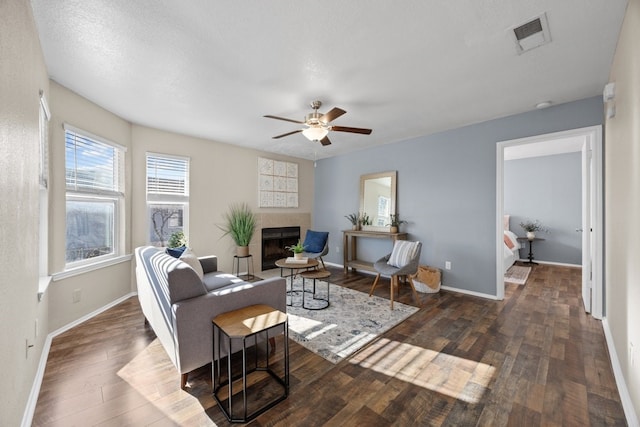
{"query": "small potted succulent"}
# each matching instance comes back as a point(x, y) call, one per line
point(395, 222)
point(531, 227)
point(364, 219)
point(297, 249)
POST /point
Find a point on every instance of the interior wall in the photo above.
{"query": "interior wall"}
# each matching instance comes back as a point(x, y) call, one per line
point(220, 174)
point(548, 189)
point(446, 190)
point(622, 205)
point(22, 75)
point(103, 286)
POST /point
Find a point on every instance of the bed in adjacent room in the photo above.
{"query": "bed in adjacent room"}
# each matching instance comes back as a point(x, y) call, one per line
point(511, 247)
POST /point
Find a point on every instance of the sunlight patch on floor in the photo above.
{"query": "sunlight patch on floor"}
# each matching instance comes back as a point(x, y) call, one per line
point(309, 328)
point(453, 376)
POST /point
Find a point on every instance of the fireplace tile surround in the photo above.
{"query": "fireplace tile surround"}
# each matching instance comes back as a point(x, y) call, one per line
point(275, 220)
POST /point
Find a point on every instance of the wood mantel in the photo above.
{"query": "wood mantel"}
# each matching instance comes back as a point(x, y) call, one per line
point(350, 247)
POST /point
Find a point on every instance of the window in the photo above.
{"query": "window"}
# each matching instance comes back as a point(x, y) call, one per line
point(167, 197)
point(43, 256)
point(95, 196)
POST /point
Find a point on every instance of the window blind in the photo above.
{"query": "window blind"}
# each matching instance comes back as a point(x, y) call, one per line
point(167, 175)
point(92, 166)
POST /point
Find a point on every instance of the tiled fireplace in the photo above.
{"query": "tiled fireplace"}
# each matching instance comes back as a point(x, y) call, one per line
point(274, 240)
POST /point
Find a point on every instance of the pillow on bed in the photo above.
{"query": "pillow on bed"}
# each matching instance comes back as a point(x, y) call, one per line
point(508, 242)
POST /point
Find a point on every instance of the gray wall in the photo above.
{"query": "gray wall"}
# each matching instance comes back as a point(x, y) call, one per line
point(446, 190)
point(548, 189)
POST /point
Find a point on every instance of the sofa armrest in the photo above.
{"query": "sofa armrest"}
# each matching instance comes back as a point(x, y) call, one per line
point(209, 263)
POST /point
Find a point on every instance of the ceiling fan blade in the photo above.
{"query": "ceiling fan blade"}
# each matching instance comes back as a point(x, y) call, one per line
point(282, 118)
point(287, 134)
point(332, 115)
point(352, 130)
point(325, 141)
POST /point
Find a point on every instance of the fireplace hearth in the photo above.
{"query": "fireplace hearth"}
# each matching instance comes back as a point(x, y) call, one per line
point(274, 241)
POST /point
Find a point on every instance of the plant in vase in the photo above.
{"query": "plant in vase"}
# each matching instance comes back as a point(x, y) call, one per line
point(240, 224)
point(297, 249)
point(354, 219)
point(176, 244)
point(395, 222)
point(364, 219)
point(531, 227)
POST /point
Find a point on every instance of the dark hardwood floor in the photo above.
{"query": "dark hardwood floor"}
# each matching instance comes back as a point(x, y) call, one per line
point(533, 359)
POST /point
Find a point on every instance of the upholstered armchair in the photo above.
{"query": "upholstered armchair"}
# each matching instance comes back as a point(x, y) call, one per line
point(402, 261)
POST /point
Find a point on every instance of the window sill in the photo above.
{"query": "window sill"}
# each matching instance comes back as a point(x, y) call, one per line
point(91, 267)
point(43, 284)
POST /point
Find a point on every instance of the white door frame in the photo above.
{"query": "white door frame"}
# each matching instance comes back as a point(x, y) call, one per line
point(593, 135)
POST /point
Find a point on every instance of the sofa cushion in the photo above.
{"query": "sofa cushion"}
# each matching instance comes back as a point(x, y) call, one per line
point(314, 241)
point(184, 282)
point(219, 279)
point(190, 258)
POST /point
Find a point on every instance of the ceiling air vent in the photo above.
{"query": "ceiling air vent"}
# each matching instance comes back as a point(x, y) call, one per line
point(532, 34)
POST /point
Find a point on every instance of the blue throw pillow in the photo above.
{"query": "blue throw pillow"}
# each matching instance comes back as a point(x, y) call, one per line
point(176, 252)
point(314, 241)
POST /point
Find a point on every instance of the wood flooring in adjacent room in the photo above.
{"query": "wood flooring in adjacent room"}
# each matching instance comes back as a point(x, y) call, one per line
point(533, 359)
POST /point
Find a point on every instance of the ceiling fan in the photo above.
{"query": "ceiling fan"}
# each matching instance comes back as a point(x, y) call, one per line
point(318, 124)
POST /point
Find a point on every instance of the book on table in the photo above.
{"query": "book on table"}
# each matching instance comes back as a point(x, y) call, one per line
point(292, 260)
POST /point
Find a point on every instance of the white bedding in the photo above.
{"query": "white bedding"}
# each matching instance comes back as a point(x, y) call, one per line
point(510, 255)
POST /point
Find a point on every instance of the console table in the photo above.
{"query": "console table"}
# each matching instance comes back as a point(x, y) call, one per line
point(350, 247)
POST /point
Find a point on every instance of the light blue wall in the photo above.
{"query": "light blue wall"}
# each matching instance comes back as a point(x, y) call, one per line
point(446, 190)
point(548, 189)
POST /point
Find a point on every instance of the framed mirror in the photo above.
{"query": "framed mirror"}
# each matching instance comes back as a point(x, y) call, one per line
point(378, 198)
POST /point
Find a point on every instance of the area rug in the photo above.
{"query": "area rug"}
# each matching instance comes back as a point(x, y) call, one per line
point(517, 274)
point(352, 320)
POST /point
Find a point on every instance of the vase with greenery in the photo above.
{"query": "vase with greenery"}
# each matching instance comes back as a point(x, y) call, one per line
point(364, 219)
point(354, 219)
point(395, 222)
point(177, 240)
point(531, 227)
point(297, 249)
point(240, 224)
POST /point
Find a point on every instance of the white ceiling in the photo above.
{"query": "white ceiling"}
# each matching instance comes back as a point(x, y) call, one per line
point(212, 69)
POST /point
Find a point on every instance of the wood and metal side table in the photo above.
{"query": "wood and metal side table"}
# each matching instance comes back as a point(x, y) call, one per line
point(530, 256)
point(236, 266)
point(318, 301)
point(293, 269)
point(243, 325)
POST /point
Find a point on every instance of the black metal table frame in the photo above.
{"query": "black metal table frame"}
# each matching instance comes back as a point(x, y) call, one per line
point(314, 293)
point(216, 372)
point(291, 291)
point(235, 270)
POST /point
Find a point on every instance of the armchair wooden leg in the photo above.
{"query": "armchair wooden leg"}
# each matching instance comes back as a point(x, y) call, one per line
point(415, 293)
point(394, 284)
point(183, 380)
point(375, 282)
point(272, 342)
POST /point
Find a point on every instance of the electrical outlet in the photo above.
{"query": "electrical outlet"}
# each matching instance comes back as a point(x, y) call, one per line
point(631, 354)
point(447, 265)
point(77, 295)
point(337, 249)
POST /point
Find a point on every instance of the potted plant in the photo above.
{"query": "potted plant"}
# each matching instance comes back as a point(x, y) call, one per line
point(364, 219)
point(297, 249)
point(354, 219)
point(395, 222)
point(176, 244)
point(531, 227)
point(240, 224)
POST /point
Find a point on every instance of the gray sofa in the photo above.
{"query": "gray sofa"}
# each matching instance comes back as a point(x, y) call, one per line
point(179, 305)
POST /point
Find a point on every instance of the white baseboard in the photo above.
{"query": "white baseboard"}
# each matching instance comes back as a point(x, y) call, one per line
point(560, 264)
point(627, 403)
point(27, 417)
point(472, 293)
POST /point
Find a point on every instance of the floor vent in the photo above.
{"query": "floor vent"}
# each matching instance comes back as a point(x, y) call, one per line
point(532, 34)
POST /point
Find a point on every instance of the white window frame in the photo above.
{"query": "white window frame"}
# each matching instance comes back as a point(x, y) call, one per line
point(116, 196)
point(170, 196)
point(44, 116)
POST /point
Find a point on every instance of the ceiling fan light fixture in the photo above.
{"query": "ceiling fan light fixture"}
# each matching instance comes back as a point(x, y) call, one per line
point(315, 133)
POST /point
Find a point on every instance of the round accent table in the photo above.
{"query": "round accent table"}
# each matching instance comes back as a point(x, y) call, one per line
point(293, 269)
point(315, 275)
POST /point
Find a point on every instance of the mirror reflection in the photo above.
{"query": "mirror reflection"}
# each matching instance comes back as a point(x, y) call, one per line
point(378, 197)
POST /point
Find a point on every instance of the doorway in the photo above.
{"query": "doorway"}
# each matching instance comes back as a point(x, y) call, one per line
point(588, 141)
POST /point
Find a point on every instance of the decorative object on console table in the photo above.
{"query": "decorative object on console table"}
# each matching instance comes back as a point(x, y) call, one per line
point(354, 219)
point(395, 223)
point(240, 224)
